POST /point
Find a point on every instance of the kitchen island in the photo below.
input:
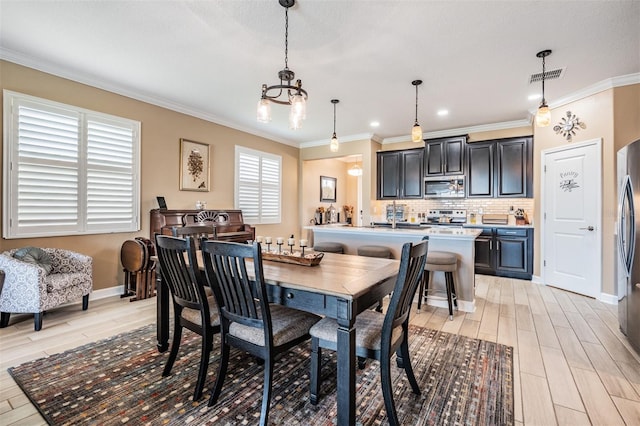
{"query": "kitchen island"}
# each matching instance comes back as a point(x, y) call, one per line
point(453, 239)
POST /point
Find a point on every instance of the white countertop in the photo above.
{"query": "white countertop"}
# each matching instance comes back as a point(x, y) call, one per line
point(436, 232)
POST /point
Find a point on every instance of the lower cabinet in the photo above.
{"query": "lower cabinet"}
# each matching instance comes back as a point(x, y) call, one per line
point(505, 252)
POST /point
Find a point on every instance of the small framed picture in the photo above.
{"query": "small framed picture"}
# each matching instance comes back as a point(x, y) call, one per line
point(328, 189)
point(194, 166)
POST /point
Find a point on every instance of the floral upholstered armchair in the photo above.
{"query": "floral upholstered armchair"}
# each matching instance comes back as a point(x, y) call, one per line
point(37, 280)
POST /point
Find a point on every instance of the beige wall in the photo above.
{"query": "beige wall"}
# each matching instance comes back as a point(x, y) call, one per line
point(614, 116)
point(161, 133)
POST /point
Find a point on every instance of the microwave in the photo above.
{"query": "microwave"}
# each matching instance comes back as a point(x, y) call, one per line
point(444, 187)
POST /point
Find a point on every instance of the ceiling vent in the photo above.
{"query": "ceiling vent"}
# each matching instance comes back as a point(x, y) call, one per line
point(548, 75)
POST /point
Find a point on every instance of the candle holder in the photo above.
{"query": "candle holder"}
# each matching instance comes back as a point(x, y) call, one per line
point(291, 248)
point(268, 247)
point(279, 246)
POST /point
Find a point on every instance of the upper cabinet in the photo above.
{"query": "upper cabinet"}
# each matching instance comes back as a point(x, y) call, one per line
point(500, 168)
point(400, 174)
point(445, 156)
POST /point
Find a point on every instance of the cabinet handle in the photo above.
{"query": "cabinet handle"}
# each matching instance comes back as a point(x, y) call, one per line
point(290, 296)
point(490, 244)
point(510, 232)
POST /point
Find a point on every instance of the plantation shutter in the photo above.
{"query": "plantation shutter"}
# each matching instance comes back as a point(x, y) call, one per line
point(68, 171)
point(258, 185)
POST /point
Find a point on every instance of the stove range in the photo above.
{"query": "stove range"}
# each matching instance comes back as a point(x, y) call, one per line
point(446, 217)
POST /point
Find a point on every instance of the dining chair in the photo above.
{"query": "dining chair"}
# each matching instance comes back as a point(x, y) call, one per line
point(248, 321)
point(378, 335)
point(193, 308)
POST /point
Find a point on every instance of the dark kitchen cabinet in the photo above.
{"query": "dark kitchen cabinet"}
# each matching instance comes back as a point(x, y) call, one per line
point(445, 157)
point(501, 168)
point(505, 252)
point(514, 253)
point(400, 174)
point(484, 252)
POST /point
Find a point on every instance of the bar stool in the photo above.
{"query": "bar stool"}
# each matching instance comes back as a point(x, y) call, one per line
point(440, 261)
point(375, 251)
point(329, 247)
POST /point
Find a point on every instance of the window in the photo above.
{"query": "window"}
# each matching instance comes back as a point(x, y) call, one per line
point(258, 184)
point(68, 171)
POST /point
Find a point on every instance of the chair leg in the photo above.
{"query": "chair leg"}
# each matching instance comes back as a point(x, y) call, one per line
point(387, 392)
point(266, 392)
point(85, 302)
point(453, 291)
point(408, 368)
point(420, 292)
point(314, 385)
point(4, 319)
point(207, 340)
point(175, 345)
point(37, 321)
point(449, 283)
point(222, 372)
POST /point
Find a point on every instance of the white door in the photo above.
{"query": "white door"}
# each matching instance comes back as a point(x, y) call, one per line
point(571, 213)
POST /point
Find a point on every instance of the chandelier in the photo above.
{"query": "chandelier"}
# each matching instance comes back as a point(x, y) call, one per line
point(543, 116)
point(294, 94)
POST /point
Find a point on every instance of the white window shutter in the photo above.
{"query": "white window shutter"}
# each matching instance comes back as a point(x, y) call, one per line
point(258, 186)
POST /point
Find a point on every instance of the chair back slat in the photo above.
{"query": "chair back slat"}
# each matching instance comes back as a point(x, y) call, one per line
point(412, 264)
point(241, 299)
point(197, 232)
point(179, 269)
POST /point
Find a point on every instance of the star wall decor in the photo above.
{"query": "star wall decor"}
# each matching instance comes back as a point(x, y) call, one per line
point(568, 126)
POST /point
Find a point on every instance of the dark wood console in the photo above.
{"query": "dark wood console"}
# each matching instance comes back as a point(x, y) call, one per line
point(228, 224)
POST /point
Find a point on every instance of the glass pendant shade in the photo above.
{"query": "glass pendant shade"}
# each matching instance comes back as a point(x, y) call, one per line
point(295, 120)
point(543, 116)
point(334, 144)
point(355, 170)
point(416, 133)
point(299, 105)
point(264, 111)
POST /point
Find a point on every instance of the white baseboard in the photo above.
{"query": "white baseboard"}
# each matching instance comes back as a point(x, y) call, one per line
point(611, 299)
point(106, 292)
point(463, 305)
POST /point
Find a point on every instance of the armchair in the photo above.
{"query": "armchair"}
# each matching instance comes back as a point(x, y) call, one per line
point(29, 289)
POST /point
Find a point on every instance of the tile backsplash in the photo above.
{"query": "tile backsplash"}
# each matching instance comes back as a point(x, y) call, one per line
point(472, 205)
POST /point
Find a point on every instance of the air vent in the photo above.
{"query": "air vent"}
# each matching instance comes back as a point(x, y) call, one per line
point(549, 75)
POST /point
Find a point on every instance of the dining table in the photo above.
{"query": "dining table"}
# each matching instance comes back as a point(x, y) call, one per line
point(341, 286)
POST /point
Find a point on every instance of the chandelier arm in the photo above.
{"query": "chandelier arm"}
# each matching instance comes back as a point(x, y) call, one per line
point(280, 88)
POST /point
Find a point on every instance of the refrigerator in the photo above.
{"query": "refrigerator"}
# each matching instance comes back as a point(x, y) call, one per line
point(628, 242)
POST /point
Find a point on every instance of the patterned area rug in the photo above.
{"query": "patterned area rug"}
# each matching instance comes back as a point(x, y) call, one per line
point(118, 380)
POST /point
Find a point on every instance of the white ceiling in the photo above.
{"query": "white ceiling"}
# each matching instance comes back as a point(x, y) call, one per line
point(210, 58)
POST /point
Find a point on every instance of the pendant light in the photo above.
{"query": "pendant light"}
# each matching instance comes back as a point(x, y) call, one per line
point(416, 131)
point(543, 116)
point(294, 94)
point(334, 139)
point(355, 170)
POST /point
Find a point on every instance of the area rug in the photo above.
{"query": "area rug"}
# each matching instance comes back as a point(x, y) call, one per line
point(118, 381)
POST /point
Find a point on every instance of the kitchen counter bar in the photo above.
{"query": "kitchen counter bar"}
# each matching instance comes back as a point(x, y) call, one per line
point(454, 239)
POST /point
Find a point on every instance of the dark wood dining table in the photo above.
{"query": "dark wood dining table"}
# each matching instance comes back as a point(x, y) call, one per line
point(340, 287)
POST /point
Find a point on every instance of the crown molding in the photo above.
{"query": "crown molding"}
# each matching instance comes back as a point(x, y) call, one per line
point(49, 68)
point(343, 139)
point(601, 86)
point(463, 130)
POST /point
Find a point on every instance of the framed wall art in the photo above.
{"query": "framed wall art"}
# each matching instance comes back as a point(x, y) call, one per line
point(328, 189)
point(194, 166)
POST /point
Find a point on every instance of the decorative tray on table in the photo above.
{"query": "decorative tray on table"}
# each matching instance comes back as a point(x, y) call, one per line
point(309, 259)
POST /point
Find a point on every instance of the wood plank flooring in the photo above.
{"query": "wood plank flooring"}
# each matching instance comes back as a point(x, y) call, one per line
point(572, 365)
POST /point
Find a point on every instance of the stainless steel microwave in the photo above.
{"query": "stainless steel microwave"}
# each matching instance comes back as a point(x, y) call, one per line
point(444, 187)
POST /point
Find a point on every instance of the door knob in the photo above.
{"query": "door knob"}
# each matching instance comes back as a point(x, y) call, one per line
point(588, 228)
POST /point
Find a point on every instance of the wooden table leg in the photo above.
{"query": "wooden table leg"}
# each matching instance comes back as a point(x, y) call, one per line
point(346, 364)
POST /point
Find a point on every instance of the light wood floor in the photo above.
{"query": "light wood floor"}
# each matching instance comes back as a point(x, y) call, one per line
point(572, 365)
